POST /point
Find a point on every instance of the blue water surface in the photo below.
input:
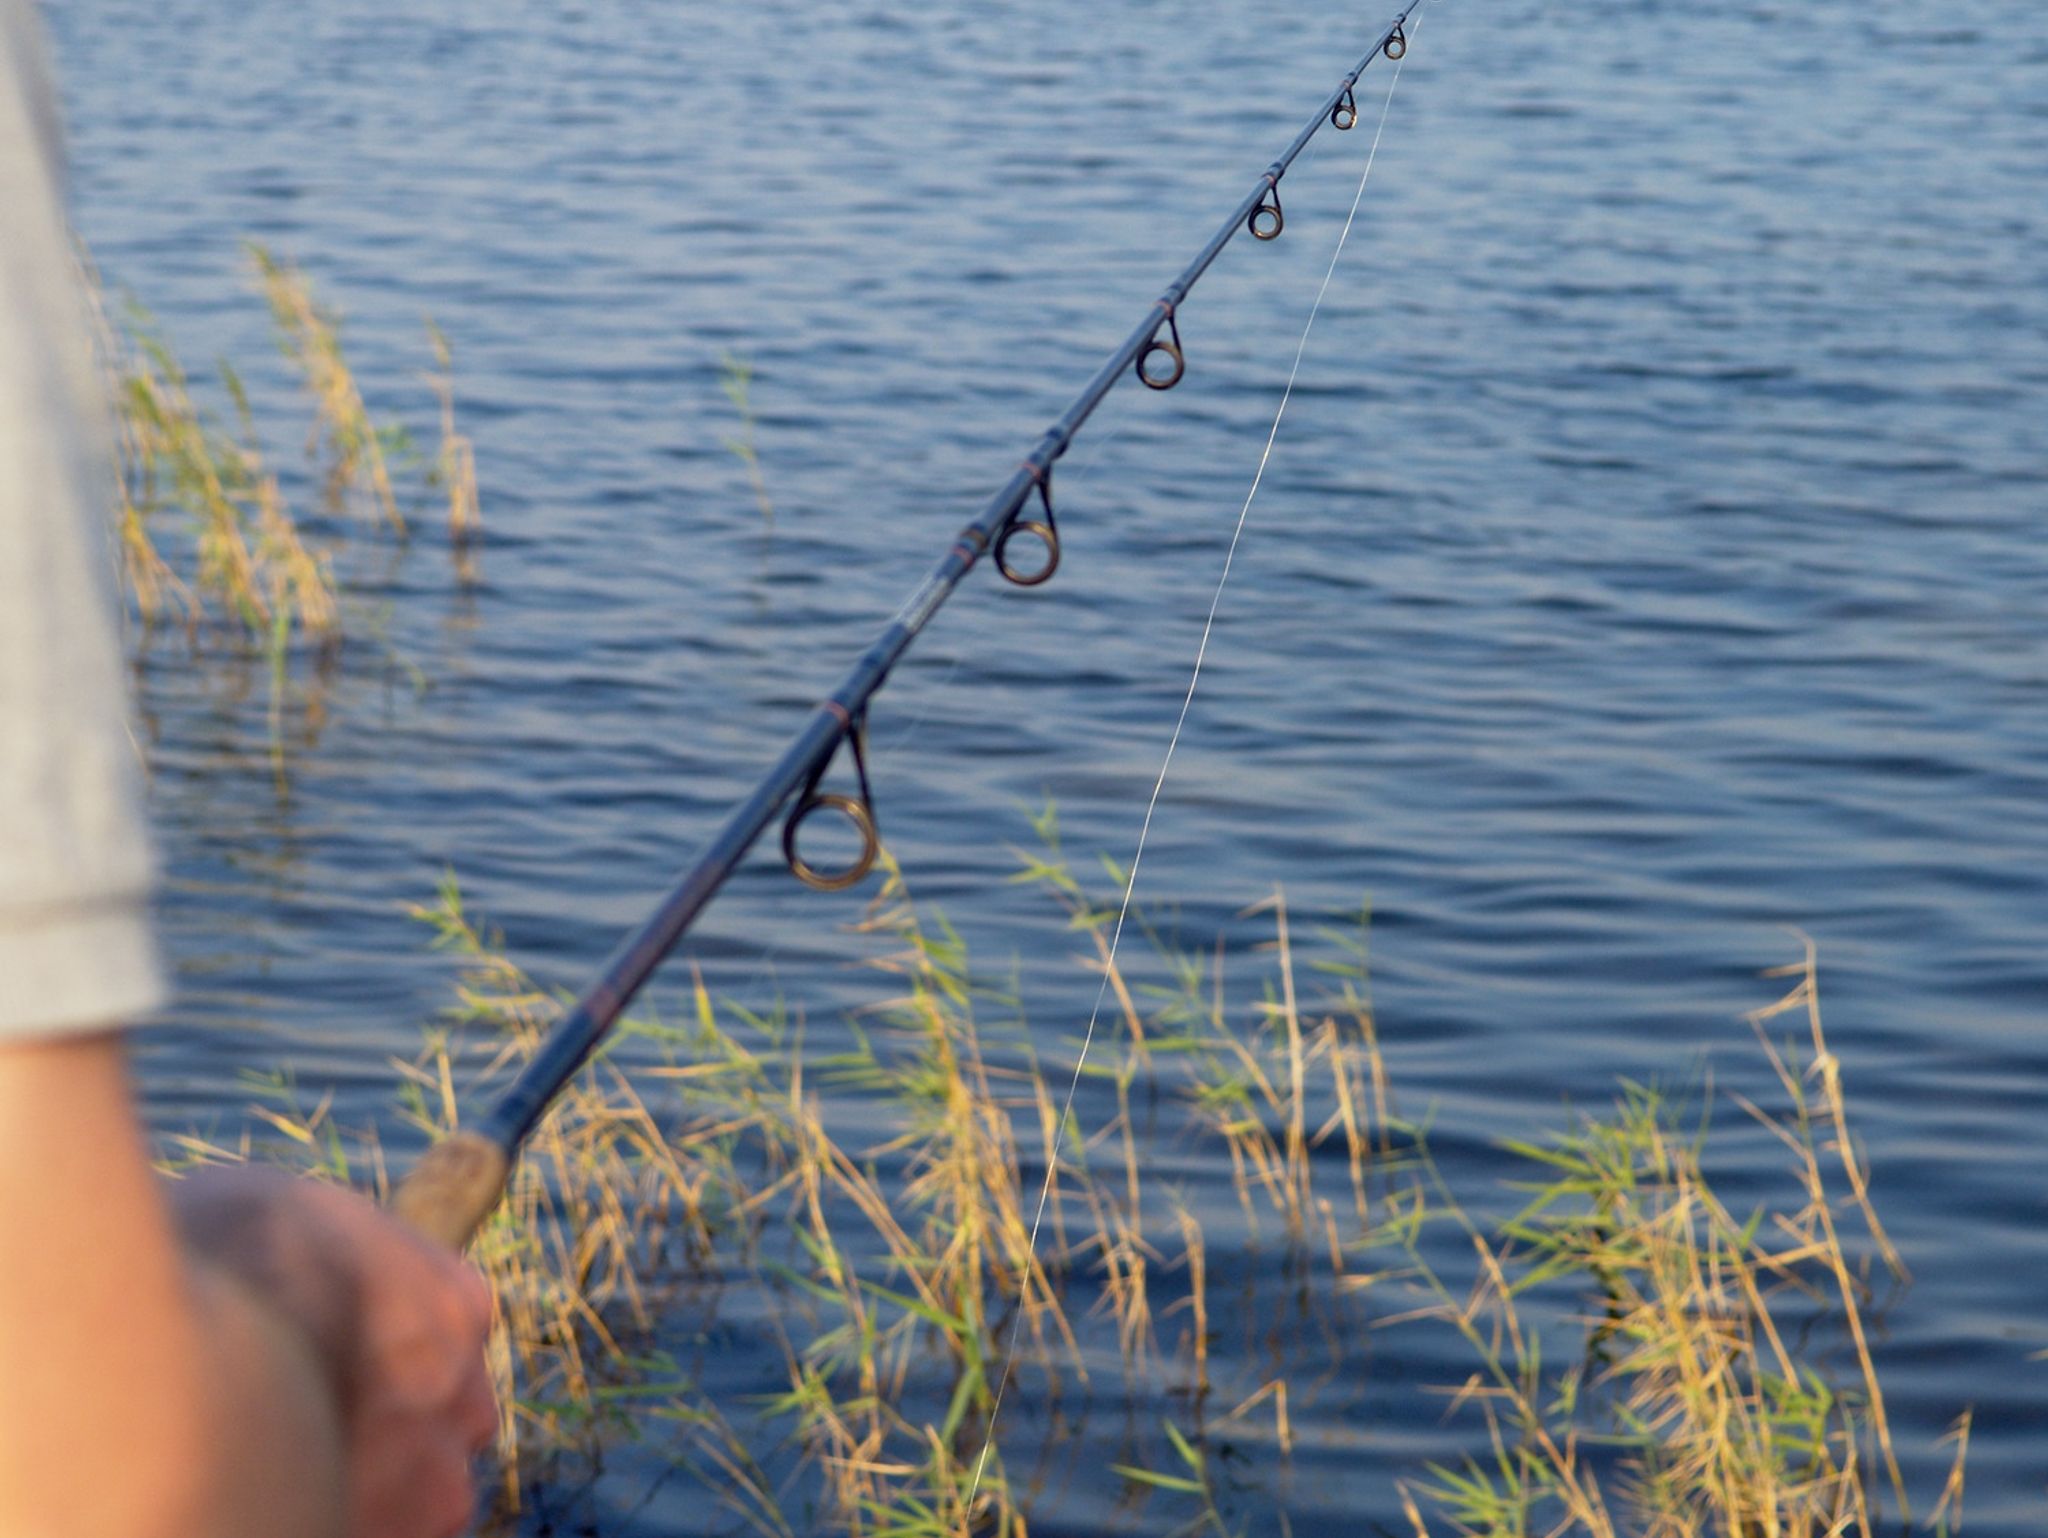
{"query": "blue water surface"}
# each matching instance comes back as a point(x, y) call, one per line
point(1649, 562)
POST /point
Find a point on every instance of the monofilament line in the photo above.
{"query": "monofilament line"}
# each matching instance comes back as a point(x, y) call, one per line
point(1052, 1162)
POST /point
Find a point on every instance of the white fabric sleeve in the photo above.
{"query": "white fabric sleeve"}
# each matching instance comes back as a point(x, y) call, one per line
point(76, 951)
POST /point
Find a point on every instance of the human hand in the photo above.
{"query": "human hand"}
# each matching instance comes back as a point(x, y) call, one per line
point(397, 1324)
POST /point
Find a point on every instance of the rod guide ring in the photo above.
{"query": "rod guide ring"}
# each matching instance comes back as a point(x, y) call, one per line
point(861, 812)
point(855, 812)
point(1268, 211)
point(1173, 355)
point(1046, 530)
point(1039, 529)
point(1172, 350)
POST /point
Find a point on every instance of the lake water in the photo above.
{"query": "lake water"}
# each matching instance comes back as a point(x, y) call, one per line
point(1649, 562)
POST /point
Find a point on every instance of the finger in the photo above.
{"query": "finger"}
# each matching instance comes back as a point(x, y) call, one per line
point(475, 1415)
point(458, 1289)
point(414, 1481)
point(457, 1299)
point(426, 1318)
point(454, 1502)
point(478, 1300)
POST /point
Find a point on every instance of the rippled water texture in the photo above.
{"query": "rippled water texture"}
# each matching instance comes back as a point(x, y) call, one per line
point(1650, 558)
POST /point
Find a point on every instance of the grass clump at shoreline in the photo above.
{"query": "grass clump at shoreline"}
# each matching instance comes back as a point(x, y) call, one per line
point(247, 553)
point(1643, 1361)
point(310, 334)
point(244, 570)
point(1690, 1409)
point(736, 377)
point(455, 465)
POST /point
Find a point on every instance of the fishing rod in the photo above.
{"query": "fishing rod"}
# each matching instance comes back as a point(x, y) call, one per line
point(461, 1178)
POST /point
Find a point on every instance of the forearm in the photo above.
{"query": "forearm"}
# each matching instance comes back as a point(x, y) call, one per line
point(232, 1433)
point(143, 1394)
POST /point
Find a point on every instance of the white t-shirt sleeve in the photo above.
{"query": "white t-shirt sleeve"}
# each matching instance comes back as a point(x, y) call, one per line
point(76, 951)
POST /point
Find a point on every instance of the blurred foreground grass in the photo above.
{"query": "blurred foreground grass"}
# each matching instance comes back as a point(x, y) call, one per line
point(210, 545)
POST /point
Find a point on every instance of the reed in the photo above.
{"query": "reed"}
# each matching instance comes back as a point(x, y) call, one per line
point(310, 335)
point(1644, 1363)
point(146, 575)
point(248, 580)
point(455, 464)
point(604, 1205)
point(254, 576)
point(174, 454)
point(736, 377)
point(1690, 1409)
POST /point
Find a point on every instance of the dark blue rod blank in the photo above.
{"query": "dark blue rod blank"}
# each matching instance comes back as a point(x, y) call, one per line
point(578, 1033)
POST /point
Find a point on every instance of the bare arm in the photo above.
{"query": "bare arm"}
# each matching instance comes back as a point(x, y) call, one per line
point(241, 1354)
point(238, 1355)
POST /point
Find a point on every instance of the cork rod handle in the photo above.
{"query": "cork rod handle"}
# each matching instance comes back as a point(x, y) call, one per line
point(452, 1190)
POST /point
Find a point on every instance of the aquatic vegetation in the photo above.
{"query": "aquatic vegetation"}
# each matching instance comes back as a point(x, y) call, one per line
point(615, 1206)
point(310, 334)
point(590, 1217)
point(248, 555)
point(1643, 1361)
point(1689, 1410)
point(250, 551)
point(243, 574)
point(455, 466)
point(736, 376)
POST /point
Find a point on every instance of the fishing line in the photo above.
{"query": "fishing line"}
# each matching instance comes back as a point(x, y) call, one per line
point(948, 667)
point(462, 1177)
point(1097, 448)
point(1079, 476)
point(1159, 784)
